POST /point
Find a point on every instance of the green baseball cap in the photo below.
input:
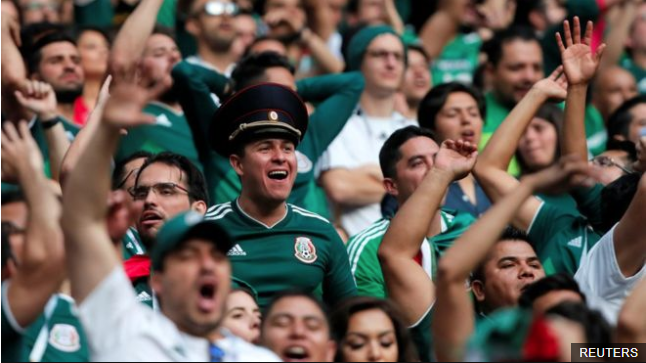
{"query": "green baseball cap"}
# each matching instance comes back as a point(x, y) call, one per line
point(183, 227)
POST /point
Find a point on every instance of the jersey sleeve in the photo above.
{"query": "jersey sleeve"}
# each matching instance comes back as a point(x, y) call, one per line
point(337, 96)
point(12, 332)
point(369, 277)
point(338, 284)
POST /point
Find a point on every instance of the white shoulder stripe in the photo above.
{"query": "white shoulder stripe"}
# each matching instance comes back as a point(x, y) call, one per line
point(217, 208)
point(219, 216)
point(309, 214)
point(361, 245)
point(358, 239)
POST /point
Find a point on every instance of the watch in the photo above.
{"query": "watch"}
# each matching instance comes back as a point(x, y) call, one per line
point(48, 124)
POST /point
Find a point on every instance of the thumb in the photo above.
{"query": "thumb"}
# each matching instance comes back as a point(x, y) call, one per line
point(600, 51)
point(21, 98)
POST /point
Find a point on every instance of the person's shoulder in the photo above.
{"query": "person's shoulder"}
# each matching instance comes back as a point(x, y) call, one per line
point(310, 218)
point(219, 211)
point(369, 239)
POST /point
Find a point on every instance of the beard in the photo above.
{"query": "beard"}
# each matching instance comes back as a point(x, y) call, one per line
point(68, 96)
point(219, 45)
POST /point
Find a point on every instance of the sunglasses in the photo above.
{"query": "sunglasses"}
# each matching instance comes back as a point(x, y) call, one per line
point(217, 8)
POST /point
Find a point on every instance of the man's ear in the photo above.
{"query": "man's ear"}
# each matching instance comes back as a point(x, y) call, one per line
point(236, 164)
point(192, 27)
point(155, 283)
point(200, 207)
point(477, 287)
point(391, 187)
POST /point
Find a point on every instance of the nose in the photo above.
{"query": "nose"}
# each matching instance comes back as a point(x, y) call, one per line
point(297, 330)
point(374, 352)
point(174, 57)
point(529, 74)
point(279, 156)
point(526, 272)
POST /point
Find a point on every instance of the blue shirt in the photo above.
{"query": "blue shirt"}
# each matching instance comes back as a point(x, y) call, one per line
point(457, 200)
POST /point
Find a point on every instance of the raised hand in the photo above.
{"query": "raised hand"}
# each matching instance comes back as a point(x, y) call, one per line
point(21, 157)
point(579, 61)
point(127, 100)
point(39, 98)
point(456, 157)
point(570, 172)
point(555, 86)
point(122, 213)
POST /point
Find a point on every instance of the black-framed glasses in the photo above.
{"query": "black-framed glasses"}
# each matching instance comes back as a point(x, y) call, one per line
point(160, 189)
point(608, 162)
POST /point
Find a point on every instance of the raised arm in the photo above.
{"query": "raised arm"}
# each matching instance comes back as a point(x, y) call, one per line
point(491, 169)
point(631, 327)
point(454, 317)
point(442, 26)
point(85, 136)
point(14, 72)
point(41, 269)
point(580, 65)
point(130, 42)
point(40, 99)
point(408, 284)
point(619, 32)
point(86, 197)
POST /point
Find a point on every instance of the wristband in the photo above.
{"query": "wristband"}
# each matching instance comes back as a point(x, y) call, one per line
point(48, 124)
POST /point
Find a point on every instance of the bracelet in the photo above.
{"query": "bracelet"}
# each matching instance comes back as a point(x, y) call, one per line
point(48, 124)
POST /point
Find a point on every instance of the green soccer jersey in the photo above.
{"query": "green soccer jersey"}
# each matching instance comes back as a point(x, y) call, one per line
point(336, 97)
point(303, 251)
point(170, 133)
point(57, 335)
point(496, 114)
point(595, 131)
point(131, 244)
point(12, 333)
point(638, 72)
point(363, 248)
point(423, 337)
point(458, 60)
point(38, 133)
point(561, 239)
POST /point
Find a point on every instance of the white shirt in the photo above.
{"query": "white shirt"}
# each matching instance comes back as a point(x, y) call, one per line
point(121, 329)
point(194, 59)
point(601, 279)
point(358, 145)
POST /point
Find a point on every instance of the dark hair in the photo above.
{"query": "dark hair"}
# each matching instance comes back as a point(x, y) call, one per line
point(626, 146)
point(510, 234)
point(13, 196)
point(42, 35)
point(542, 287)
point(390, 153)
point(195, 179)
point(341, 321)
point(164, 30)
point(554, 115)
point(616, 197)
point(597, 329)
point(420, 49)
point(435, 100)
point(494, 47)
point(294, 294)
point(525, 8)
point(251, 70)
point(119, 173)
point(619, 122)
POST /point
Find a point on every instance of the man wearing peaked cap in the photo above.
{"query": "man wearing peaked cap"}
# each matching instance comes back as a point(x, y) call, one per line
point(263, 111)
point(277, 246)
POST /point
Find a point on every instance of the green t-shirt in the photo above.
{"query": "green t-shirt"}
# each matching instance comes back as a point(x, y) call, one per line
point(422, 335)
point(638, 72)
point(303, 251)
point(458, 60)
point(12, 333)
point(170, 133)
point(102, 14)
point(57, 335)
point(336, 97)
point(144, 292)
point(131, 244)
point(363, 251)
point(38, 133)
point(561, 239)
point(595, 131)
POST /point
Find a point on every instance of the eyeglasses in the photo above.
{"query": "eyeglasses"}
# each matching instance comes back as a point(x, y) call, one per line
point(384, 54)
point(607, 162)
point(160, 189)
point(217, 8)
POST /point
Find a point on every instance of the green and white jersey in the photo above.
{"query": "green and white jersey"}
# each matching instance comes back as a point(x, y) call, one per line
point(131, 244)
point(561, 239)
point(638, 72)
point(57, 335)
point(458, 60)
point(363, 248)
point(169, 133)
point(12, 332)
point(303, 251)
point(38, 133)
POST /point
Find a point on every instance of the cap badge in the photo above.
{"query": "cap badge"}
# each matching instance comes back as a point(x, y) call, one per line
point(273, 116)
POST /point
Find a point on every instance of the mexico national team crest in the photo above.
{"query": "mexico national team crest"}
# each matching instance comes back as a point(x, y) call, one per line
point(305, 250)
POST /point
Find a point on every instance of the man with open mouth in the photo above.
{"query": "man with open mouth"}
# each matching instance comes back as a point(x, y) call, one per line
point(277, 246)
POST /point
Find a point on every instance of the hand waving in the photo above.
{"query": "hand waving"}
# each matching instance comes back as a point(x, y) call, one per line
point(456, 157)
point(553, 87)
point(21, 157)
point(580, 63)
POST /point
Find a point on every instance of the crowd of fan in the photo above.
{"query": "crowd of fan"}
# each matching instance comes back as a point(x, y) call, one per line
point(322, 180)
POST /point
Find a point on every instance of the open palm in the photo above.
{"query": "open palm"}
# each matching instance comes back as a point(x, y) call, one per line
point(127, 100)
point(457, 157)
point(580, 63)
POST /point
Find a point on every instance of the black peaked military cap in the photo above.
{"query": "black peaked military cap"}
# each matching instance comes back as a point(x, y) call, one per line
point(262, 111)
